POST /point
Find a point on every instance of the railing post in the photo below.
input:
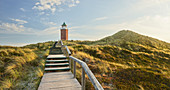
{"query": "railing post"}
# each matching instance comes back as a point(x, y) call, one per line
point(74, 69)
point(83, 83)
point(70, 63)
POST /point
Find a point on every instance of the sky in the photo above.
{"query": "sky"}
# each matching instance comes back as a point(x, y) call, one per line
point(24, 22)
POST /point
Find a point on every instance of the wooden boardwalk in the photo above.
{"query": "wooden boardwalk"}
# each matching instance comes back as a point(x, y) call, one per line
point(59, 81)
point(57, 75)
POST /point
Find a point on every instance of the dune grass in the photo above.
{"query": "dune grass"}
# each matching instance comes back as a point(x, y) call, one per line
point(125, 69)
point(119, 64)
point(21, 68)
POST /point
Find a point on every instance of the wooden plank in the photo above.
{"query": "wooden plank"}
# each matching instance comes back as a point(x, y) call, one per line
point(59, 81)
point(56, 61)
point(55, 64)
point(57, 68)
point(56, 56)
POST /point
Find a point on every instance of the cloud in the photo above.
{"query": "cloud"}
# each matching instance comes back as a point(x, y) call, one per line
point(49, 31)
point(145, 4)
point(156, 26)
point(19, 21)
point(53, 10)
point(80, 36)
point(71, 5)
point(100, 18)
point(22, 9)
point(78, 27)
point(16, 44)
point(11, 27)
point(156, 22)
point(60, 9)
point(52, 23)
point(41, 13)
point(52, 5)
point(49, 23)
point(77, 1)
point(153, 2)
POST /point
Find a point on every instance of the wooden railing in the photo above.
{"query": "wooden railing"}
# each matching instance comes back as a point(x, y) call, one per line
point(85, 68)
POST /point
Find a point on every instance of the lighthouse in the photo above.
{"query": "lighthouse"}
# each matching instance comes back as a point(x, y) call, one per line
point(64, 32)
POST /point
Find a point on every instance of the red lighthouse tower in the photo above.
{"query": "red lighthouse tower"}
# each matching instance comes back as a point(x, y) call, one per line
point(64, 32)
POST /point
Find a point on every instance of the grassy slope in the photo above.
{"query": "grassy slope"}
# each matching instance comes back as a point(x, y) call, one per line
point(125, 69)
point(127, 60)
point(20, 68)
point(126, 36)
point(122, 63)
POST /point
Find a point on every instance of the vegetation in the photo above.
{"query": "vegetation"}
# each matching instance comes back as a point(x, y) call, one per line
point(125, 60)
point(126, 37)
point(126, 69)
point(20, 68)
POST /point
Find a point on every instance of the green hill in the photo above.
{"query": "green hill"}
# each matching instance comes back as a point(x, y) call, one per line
point(125, 60)
point(126, 36)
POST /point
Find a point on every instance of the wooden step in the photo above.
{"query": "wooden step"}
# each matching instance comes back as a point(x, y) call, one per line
point(55, 52)
point(59, 81)
point(56, 58)
point(57, 69)
point(59, 56)
point(56, 64)
point(56, 61)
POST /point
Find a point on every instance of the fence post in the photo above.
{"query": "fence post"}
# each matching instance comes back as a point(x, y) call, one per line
point(70, 63)
point(74, 69)
point(83, 78)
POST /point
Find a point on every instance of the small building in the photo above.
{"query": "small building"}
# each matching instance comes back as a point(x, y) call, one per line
point(64, 32)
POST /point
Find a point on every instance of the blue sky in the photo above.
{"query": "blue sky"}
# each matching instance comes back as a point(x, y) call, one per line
point(31, 21)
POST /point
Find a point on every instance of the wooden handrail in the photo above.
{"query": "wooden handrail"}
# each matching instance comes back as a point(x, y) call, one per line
point(91, 76)
point(61, 42)
point(65, 50)
point(85, 68)
point(68, 51)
